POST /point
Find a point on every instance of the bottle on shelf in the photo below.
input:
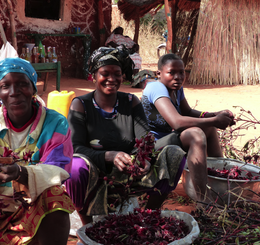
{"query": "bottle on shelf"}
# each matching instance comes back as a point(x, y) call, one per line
point(35, 55)
point(42, 56)
point(54, 55)
point(22, 56)
point(38, 53)
point(28, 55)
point(44, 51)
point(49, 54)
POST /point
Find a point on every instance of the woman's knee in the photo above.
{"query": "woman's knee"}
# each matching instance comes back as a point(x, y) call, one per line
point(76, 185)
point(79, 169)
point(193, 136)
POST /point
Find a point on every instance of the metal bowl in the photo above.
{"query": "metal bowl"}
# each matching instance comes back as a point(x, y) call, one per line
point(226, 191)
point(187, 218)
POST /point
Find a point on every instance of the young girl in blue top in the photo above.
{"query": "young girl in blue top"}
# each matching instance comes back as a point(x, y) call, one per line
point(169, 114)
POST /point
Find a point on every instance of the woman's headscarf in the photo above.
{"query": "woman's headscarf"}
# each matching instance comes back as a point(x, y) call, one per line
point(112, 56)
point(20, 66)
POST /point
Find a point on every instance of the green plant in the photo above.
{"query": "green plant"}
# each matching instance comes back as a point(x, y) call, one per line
point(158, 24)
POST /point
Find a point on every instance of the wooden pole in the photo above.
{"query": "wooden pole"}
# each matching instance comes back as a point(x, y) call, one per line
point(192, 36)
point(174, 29)
point(102, 31)
point(169, 26)
point(12, 23)
point(137, 25)
point(2, 31)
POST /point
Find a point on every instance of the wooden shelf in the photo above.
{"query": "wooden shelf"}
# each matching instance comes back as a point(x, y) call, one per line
point(49, 67)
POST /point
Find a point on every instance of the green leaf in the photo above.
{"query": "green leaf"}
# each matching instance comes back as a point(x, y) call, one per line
point(237, 241)
point(155, 172)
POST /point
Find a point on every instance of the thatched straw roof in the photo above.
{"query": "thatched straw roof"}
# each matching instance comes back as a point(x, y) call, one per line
point(226, 49)
point(129, 8)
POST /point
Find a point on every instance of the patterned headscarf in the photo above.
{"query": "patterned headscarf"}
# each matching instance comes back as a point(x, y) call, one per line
point(20, 66)
point(112, 56)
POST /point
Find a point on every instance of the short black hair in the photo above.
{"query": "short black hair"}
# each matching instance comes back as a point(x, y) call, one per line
point(163, 60)
point(118, 29)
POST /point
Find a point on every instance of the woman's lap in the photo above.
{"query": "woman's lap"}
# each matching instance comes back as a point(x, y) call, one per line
point(172, 138)
point(164, 186)
point(22, 225)
point(77, 185)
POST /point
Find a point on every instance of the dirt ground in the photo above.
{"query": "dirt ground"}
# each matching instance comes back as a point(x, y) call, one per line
point(203, 97)
point(206, 98)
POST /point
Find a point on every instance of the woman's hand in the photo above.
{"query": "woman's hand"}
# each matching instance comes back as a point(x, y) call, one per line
point(146, 169)
point(122, 160)
point(225, 111)
point(224, 119)
point(9, 172)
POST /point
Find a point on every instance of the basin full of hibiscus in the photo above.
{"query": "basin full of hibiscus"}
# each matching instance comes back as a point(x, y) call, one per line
point(156, 227)
point(228, 180)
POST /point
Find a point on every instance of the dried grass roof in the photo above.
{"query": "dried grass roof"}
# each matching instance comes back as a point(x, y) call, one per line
point(227, 46)
point(129, 8)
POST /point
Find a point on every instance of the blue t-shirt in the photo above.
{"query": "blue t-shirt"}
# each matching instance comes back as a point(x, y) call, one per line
point(152, 92)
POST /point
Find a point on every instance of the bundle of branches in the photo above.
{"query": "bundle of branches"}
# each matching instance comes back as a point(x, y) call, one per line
point(235, 224)
point(250, 151)
point(227, 49)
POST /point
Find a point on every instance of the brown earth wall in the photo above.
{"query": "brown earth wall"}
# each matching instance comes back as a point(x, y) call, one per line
point(70, 50)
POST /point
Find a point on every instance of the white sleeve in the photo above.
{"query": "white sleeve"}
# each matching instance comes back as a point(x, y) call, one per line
point(43, 176)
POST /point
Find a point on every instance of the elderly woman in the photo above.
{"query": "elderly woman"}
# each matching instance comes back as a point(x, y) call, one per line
point(104, 126)
point(38, 141)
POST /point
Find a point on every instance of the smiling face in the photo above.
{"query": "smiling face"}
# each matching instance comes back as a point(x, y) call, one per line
point(172, 74)
point(16, 91)
point(108, 79)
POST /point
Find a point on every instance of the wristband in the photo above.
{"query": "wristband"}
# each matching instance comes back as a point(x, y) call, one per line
point(20, 171)
point(203, 113)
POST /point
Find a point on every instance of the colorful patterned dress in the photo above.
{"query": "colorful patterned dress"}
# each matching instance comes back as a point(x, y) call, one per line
point(49, 139)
